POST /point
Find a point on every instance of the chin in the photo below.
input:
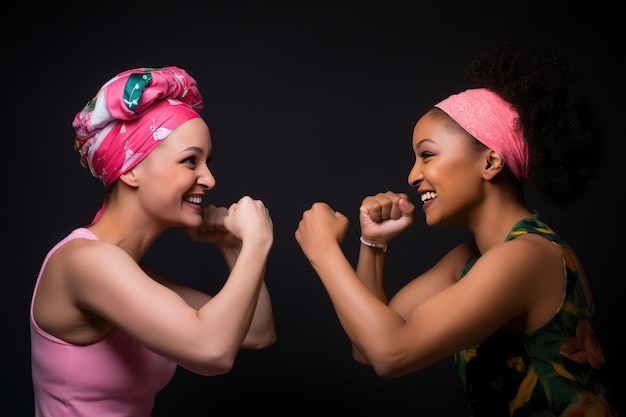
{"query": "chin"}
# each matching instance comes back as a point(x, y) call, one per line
point(427, 219)
point(195, 222)
point(432, 221)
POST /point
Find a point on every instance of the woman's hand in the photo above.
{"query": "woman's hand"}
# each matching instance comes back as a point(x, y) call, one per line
point(384, 216)
point(320, 228)
point(212, 229)
point(228, 227)
point(249, 220)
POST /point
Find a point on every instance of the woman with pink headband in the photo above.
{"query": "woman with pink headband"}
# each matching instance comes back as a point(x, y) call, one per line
point(107, 330)
point(512, 303)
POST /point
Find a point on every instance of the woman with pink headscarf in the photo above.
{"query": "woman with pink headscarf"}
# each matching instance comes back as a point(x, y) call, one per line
point(512, 303)
point(108, 331)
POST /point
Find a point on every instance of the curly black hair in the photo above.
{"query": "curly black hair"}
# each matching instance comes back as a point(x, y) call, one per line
point(557, 114)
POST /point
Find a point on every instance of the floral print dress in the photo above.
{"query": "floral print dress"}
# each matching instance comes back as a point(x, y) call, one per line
point(557, 370)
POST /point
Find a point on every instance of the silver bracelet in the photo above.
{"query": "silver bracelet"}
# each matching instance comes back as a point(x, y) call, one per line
point(373, 245)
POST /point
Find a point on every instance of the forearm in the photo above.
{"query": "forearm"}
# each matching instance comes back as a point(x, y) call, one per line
point(230, 312)
point(262, 331)
point(361, 313)
point(370, 269)
point(230, 254)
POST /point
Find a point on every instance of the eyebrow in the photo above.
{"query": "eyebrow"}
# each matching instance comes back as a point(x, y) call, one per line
point(193, 148)
point(418, 144)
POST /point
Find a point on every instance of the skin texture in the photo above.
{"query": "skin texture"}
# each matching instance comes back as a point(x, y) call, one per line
point(517, 285)
point(91, 286)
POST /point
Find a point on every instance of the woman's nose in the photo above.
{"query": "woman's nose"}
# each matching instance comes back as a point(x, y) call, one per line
point(415, 176)
point(207, 179)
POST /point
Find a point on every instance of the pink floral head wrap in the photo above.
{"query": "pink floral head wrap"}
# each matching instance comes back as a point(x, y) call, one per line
point(130, 115)
point(493, 122)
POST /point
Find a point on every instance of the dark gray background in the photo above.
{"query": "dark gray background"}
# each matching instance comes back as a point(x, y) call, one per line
point(306, 101)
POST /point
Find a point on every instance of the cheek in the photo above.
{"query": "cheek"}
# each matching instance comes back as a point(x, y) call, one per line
point(184, 179)
point(461, 166)
point(177, 180)
point(455, 174)
point(164, 180)
point(464, 179)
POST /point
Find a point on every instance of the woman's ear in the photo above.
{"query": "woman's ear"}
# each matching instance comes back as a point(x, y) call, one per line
point(493, 165)
point(130, 178)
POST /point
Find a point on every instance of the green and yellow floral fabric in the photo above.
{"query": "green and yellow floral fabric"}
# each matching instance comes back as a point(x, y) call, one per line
point(557, 370)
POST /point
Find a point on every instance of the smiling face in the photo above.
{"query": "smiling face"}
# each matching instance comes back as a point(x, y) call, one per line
point(172, 179)
point(447, 170)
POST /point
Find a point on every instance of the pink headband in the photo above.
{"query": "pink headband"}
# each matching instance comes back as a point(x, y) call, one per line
point(493, 122)
point(130, 115)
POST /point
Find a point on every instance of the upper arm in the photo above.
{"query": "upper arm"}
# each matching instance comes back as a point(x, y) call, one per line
point(195, 298)
point(439, 277)
point(106, 281)
point(502, 285)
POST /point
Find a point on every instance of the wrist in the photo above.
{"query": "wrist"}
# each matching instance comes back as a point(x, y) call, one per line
point(373, 245)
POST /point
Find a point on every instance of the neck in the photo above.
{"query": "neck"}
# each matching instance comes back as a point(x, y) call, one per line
point(123, 227)
point(495, 220)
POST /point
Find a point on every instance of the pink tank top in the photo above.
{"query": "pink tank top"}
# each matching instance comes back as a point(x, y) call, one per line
point(114, 377)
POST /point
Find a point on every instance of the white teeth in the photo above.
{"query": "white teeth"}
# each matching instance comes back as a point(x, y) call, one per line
point(195, 200)
point(428, 196)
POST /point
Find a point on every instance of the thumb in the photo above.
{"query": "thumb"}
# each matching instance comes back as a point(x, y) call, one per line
point(406, 207)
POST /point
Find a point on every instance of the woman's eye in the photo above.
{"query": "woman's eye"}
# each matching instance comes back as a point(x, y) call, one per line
point(424, 155)
point(189, 160)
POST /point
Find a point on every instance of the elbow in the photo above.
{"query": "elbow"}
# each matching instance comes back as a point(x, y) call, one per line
point(358, 356)
point(219, 363)
point(389, 369)
point(213, 369)
point(386, 365)
point(261, 340)
point(382, 369)
point(260, 343)
point(387, 372)
point(211, 363)
point(216, 367)
point(267, 341)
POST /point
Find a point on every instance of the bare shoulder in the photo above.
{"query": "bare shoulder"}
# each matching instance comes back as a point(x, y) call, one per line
point(456, 258)
point(74, 274)
point(524, 254)
point(84, 257)
point(88, 269)
point(526, 274)
point(77, 248)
